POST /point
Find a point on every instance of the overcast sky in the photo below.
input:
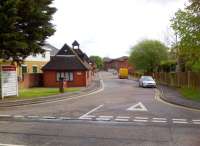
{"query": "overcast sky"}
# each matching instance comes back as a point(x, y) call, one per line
point(109, 28)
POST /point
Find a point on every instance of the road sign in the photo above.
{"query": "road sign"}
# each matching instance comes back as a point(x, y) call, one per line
point(9, 82)
point(137, 107)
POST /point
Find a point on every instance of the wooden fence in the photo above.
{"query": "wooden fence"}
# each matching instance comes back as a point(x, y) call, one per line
point(178, 79)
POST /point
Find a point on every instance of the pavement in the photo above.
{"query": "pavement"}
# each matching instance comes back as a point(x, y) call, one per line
point(94, 86)
point(121, 114)
point(171, 95)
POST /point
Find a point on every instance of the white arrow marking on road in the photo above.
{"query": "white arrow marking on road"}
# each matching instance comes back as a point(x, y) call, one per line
point(137, 107)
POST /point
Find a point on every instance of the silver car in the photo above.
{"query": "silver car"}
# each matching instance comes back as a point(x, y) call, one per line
point(147, 81)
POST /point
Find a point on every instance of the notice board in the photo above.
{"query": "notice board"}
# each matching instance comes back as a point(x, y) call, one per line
point(9, 82)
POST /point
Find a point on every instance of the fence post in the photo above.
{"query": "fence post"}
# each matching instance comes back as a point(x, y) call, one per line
point(188, 78)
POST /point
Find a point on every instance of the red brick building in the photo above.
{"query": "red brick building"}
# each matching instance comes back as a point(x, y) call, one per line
point(71, 64)
point(118, 63)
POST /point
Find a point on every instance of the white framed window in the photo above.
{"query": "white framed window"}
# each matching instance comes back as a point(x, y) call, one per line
point(68, 76)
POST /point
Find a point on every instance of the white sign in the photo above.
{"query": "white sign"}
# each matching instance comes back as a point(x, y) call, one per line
point(9, 82)
point(137, 107)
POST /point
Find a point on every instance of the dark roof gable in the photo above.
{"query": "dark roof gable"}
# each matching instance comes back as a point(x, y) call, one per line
point(75, 43)
point(65, 50)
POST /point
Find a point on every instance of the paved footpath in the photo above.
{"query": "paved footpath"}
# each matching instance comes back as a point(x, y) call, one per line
point(171, 95)
point(121, 114)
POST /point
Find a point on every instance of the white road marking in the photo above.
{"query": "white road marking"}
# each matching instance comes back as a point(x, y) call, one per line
point(137, 107)
point(196, 120)
point(197, 123)
point(5, 116)
point(65, 118)
point(139, 120)
point(142, 118)
point(183, 120)
point(122, 117)
point(106, 117)
point(32, 117)
point(18, 116)
point(10, 145)
point(88, 113)
point(159, 121)
point(103, 119)
point(86, 118)
point(180, 122)
point(122, 120)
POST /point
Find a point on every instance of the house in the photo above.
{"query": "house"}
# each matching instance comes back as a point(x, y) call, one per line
point(34, 62)
point(71, 64)
point(117, 63)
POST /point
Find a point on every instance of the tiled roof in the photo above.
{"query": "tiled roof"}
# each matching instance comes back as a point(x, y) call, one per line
point(67, 59)
point(65, 63)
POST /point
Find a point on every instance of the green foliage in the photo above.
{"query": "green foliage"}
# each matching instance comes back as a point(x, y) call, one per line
point(97, 60)
point(190, 93)
point(24, 27)
point(186, 25)
point(147, 55)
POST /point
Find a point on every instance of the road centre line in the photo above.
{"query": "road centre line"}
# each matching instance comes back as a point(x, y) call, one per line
point(88, 113)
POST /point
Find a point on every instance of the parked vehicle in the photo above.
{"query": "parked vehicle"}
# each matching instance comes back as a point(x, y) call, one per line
point(123, 73)
point(147, 81)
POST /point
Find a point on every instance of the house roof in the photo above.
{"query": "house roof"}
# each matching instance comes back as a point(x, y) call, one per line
point(65, 50)
point(62, 63)
point(66, 59)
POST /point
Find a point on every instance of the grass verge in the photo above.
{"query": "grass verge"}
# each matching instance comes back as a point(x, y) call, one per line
point(191, 94)
point(33, 93)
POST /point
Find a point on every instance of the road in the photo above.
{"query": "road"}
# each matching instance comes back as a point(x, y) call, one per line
point(122, 114)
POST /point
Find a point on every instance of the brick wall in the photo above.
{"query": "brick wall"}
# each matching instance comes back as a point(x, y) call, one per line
point(31, 80)
point(80, 79)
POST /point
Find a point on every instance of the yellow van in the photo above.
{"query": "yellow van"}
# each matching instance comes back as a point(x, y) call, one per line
point(123, 73)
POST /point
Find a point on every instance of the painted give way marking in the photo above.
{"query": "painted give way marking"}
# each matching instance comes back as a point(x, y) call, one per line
point(137, 107)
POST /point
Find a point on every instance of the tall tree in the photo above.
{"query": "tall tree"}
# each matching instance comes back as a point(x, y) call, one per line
point(97, 60)
point(24, 27)
point(147, 55)
point(186, 25)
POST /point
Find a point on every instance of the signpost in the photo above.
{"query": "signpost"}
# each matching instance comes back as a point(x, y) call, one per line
point(9, 82)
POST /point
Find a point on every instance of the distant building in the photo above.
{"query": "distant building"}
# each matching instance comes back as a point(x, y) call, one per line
point(117, 63)
point(71, 64)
